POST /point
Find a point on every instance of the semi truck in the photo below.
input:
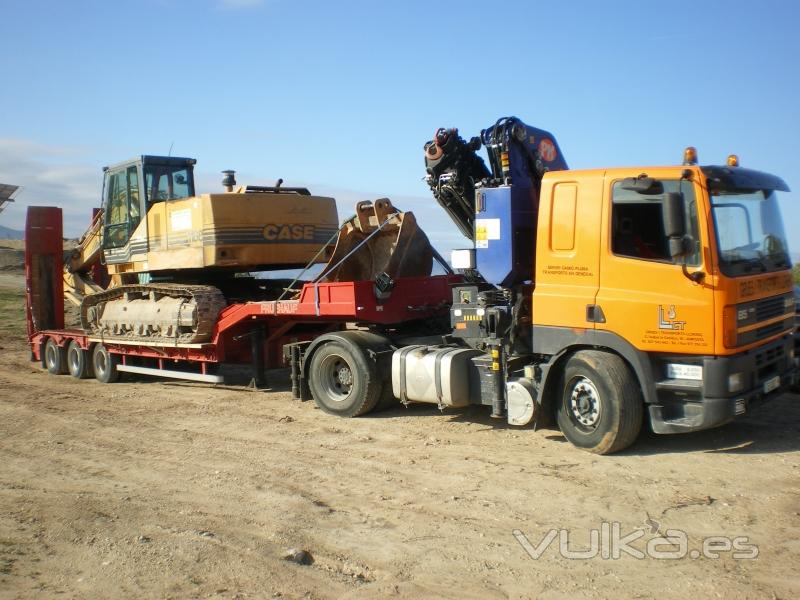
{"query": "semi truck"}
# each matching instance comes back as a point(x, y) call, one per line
point(601, 300)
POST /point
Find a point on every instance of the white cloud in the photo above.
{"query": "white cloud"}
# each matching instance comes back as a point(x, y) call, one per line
point(49, 176)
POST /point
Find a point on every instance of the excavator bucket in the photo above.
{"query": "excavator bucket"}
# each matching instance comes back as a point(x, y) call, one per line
point(379, 241)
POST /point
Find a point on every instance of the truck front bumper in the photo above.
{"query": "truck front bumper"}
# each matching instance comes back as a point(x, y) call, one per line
point(684, 406)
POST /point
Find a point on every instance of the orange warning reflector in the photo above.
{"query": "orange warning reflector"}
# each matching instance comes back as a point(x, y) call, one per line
point(461, 325)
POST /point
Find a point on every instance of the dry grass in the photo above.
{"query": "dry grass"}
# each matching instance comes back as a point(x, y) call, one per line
point(12, 315)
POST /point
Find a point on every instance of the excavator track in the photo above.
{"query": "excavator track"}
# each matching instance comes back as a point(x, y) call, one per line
point(155, 312)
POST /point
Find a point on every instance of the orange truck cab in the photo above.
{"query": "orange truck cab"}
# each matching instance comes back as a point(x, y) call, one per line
point(683, 271)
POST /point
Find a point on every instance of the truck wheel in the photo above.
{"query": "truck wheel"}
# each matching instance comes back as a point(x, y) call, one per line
point(55, 358)
point(343, 381)
point(600, 408)
point(78, 361)
point(387, 401)
point(104, 364)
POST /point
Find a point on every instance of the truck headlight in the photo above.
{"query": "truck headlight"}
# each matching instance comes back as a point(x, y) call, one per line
point(735, 382)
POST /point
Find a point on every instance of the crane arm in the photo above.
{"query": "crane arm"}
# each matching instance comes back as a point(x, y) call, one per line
point(518, 154)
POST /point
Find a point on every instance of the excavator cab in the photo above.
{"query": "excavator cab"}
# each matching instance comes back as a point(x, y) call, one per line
point(129, 188)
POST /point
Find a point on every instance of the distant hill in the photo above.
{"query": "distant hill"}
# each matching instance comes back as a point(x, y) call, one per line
point(7, 233)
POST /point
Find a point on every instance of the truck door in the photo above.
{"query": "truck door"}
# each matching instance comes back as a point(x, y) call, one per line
point(645, 295)
point(567, 258)
point(123, 207)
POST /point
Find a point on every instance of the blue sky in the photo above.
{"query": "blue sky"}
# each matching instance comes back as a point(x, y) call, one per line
point(341, 95)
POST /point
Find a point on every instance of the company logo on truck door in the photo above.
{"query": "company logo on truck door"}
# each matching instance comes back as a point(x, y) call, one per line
point(668, 319)
point(289, 232)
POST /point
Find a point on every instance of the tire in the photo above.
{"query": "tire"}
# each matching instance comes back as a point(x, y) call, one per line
point(387, 401)
point(600, 407)
point(104, 364)
point(55, 358)
point(78, 361)
point(342, 380)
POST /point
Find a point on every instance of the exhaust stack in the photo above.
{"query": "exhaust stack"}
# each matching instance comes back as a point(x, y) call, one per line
point(229, 180)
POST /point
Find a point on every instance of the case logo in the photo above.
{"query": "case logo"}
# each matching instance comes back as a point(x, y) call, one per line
point(288, 232)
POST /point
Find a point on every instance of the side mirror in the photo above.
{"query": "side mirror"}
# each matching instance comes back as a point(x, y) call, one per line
point(673, 215)
point(672, 212)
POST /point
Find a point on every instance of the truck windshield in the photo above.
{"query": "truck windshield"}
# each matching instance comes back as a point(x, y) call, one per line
point(750, 237)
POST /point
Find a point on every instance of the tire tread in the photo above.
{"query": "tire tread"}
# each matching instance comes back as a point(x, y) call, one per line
point(622, 383)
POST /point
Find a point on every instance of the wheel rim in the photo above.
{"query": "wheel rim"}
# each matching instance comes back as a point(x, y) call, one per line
point(50, 356)
point(336, 378)
point(74, 360)
point(585, 408)
point(100, 362)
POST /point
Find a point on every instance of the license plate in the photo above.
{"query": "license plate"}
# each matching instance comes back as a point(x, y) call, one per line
point(773, 383)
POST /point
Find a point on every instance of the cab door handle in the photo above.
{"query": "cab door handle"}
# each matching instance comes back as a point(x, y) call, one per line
point(594, 314)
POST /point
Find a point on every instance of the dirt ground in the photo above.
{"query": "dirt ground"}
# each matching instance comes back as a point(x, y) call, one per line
point(167, 490)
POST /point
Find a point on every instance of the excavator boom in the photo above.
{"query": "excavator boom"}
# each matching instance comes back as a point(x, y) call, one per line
point(78, 282)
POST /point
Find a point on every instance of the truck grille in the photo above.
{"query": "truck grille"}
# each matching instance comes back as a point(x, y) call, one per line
point(769, 308)
point(771, 355)
point(751, 314)
point(769, 330)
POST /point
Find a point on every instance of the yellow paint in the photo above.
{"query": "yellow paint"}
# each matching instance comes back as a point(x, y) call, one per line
point(231, 230)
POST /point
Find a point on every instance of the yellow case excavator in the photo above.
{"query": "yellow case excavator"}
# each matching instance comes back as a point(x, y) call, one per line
point(175, 258)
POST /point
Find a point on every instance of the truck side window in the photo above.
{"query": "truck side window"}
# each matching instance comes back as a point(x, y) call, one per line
point(638, 225)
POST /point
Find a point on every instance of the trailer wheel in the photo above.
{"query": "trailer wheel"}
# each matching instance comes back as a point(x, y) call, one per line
point(55, 358)
point(78, 361)
point(104, 364)
point(601, 408)
point(343, 381)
